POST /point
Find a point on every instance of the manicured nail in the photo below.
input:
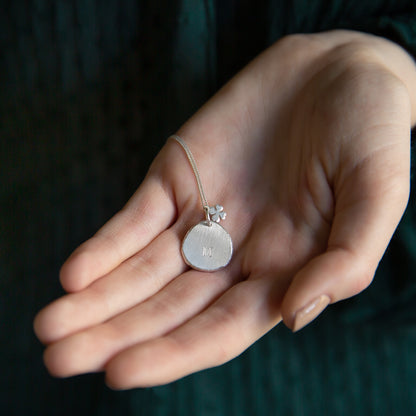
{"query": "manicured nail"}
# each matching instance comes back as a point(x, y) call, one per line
point(307, 314)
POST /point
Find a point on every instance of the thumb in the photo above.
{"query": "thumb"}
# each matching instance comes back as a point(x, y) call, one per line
point(370, 200)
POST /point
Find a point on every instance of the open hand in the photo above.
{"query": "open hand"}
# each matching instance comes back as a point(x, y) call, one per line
point(307, 149)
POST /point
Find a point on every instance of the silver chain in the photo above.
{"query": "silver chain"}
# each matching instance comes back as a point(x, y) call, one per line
point(191, 159)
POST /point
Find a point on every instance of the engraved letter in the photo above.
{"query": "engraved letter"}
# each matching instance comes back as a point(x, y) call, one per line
point(207, 251)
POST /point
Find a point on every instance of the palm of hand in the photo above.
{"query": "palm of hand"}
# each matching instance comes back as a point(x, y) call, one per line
point(308, 163)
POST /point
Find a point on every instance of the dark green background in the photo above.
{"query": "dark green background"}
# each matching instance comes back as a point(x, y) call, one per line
point(89, 92)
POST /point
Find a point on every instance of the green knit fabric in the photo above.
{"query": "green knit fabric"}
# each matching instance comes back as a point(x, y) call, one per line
point(89, 92)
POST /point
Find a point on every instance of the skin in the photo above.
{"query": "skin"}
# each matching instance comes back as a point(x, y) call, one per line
point(307, 149)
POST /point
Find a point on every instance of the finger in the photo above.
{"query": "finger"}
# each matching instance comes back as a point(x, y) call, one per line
point(184, 297)
point(150, 211)
point(131, 283)
point(220, 333)
point(368, 209)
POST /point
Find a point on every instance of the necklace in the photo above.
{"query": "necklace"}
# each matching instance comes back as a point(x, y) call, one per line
point(207, 246)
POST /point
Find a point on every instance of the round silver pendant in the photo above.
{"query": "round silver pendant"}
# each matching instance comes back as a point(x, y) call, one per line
point(207, 247)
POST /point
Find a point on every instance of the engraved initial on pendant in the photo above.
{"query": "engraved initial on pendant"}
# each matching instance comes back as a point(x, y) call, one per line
point(207, 247)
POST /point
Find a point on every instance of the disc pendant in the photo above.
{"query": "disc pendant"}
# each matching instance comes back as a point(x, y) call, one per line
point(207, 247)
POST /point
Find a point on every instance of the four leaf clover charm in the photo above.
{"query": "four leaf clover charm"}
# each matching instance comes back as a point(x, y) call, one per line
point(217, 213)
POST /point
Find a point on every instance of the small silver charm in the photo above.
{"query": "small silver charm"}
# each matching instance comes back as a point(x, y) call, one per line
point(207, 246)
point(217, 213)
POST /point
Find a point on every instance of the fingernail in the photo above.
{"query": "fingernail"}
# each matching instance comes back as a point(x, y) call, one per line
point(307, 314)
